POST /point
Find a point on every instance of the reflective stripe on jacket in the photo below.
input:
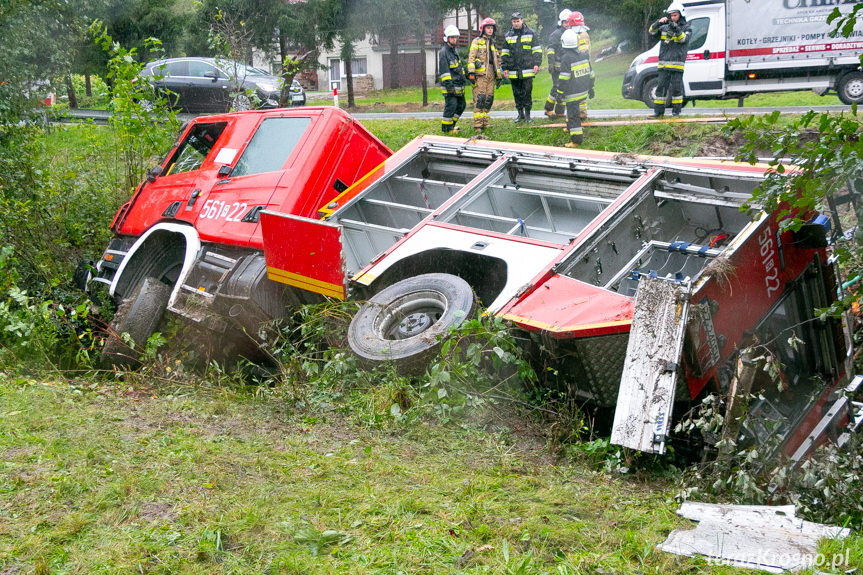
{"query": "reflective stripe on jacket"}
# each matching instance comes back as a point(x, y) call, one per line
point(483, 50)
point(673, 43)
point(450, 70)
point(522, 52)
point(576, 75)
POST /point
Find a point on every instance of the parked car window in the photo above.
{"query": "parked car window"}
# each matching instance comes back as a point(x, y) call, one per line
point(271, 145)
point(699, 28)
point(199, 69)
point(192, 152)
point(173, 69)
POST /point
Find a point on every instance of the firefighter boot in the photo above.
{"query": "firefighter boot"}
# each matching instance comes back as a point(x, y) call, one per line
point(520, 117)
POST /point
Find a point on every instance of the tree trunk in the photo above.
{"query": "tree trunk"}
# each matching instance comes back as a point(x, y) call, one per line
point(394, 57)
point(347, 60)
point(421, 36)
point(88, 86)
point(70, 92)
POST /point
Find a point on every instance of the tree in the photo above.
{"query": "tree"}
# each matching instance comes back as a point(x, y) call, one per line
point(292, 29)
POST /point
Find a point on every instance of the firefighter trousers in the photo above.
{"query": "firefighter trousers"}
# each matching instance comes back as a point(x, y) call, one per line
point(573, 120)
point(483, 98)
point(453, 106)
point(670, 81)
point(522, 91)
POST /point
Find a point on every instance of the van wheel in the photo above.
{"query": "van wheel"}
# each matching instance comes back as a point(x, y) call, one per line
point(648, 91)
point(850, 88)
point(138, 315)
point(405, 322)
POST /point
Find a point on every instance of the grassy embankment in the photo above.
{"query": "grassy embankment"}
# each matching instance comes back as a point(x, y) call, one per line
point(164, 475)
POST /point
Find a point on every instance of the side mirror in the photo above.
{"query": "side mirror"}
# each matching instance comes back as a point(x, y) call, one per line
point(212, 74)
point(154, 173)
point(225, 171)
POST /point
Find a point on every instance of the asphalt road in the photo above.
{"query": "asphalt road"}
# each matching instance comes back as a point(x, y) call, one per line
point(101, 116)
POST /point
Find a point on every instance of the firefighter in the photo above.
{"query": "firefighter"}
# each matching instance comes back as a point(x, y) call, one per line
point(484, 72)
point(576, 22)
point(553, 106)
point(521, 57)
point(575, 83)
point(673, 32)
point(452, 80)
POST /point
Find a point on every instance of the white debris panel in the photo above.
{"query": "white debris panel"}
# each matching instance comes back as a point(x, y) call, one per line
point(770, 538)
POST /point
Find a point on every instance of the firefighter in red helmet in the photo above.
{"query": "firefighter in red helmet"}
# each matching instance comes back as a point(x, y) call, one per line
point(484, 72)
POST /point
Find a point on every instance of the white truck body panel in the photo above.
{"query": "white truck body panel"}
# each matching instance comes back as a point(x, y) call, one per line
point(524, 261)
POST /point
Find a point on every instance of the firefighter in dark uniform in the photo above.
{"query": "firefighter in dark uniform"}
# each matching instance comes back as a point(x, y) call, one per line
point(553, 106)
point(575, 83)
point(673, 33)
point(521, 56)
point(484, 73)
point(452, 80)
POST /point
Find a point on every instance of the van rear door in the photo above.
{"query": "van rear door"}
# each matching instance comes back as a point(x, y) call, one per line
point(704, 72)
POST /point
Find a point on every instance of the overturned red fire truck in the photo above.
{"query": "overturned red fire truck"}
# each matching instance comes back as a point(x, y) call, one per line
point(638, 277)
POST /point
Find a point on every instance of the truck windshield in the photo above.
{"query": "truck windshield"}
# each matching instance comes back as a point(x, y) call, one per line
point(271, 146)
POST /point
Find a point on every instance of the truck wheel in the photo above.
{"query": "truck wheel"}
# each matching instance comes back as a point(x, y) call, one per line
point(850, 88)
point(648, 91)
point(138, 315)
point(405, 322)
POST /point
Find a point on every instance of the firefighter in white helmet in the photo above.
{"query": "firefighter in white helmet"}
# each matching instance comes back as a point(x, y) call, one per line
point(452, 80)
point(554, 107)
point(575, 84)
point(673, 33)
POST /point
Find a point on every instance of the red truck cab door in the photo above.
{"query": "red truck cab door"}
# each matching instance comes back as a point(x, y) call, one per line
point(186, 172)
point(230, 210)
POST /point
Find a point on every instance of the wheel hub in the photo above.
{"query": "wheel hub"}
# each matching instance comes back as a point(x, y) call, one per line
point(414, 324)
point(855, 88)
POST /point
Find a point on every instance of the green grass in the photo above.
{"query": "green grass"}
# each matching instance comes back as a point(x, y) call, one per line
point(120, 479)
point(609, 80)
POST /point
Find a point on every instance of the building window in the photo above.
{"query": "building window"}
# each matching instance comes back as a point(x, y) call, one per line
point(359, 67)
point(335, 73)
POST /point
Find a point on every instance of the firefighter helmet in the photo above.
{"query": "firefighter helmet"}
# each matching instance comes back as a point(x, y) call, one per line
point(569, 39)
point(450, 31)
point(676, 7)
point(576, 19)
point(487, 22)
point(563, 17)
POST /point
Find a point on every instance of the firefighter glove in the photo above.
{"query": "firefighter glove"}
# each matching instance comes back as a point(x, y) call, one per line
point(591, 94)
point(498, 82)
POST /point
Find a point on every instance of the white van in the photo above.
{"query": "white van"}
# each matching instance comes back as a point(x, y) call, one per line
point(742, 47)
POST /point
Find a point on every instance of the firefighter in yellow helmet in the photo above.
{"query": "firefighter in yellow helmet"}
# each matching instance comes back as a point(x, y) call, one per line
point(484, 73)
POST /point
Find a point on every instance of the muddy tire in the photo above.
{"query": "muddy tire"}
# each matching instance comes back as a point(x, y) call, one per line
point(138, 315)
point(406, 322)
point(850, 88)
point(648, 91)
